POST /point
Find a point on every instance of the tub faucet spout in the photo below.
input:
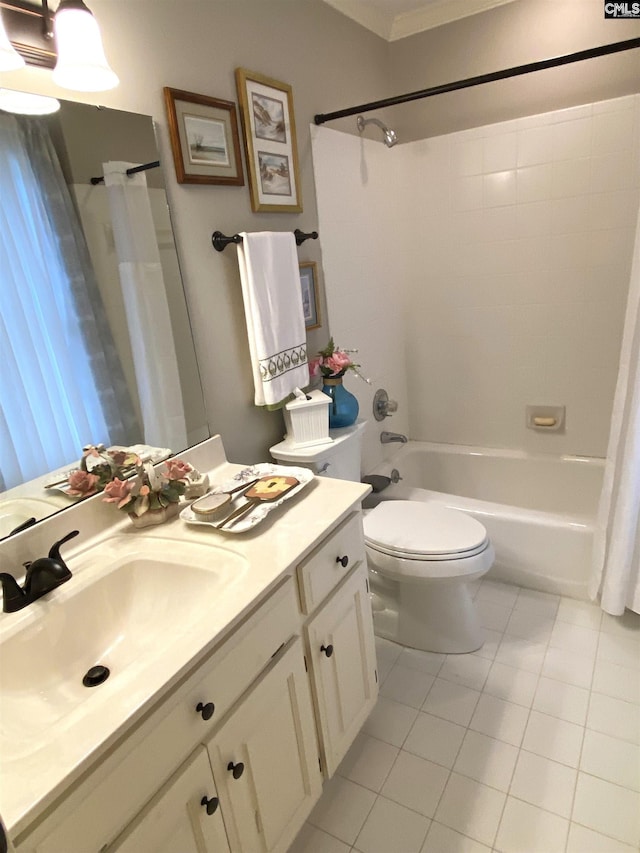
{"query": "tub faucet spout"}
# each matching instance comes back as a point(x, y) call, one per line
point(388, 437)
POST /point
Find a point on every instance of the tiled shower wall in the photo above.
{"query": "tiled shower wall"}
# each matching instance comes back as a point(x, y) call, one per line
point(512, 256)
point(361, 223)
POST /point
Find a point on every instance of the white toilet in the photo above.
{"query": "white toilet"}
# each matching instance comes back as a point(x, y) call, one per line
point(421, 556)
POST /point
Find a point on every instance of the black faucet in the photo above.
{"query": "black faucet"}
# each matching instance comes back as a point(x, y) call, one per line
point(42, 576)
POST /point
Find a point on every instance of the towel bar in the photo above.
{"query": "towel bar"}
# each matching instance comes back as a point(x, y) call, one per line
point(220, 241)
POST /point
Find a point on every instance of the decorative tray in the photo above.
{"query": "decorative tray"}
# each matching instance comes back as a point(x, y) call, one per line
point(259, 511)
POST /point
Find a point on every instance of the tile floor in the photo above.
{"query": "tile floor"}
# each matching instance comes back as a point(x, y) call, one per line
point(530, 745)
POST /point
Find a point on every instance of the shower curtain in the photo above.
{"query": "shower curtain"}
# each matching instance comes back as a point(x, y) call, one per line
point(146, 307)
point(616, 555)
point(61, 383)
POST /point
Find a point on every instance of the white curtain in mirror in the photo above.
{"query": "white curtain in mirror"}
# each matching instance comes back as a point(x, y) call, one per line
point(52, 342)
point(146, 307)
point(616, 564)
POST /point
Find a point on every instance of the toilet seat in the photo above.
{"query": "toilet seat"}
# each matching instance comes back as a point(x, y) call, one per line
point(417, 532)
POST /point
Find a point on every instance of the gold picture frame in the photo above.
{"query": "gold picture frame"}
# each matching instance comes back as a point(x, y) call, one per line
point(310, 294)
point(269, 130)
point(204, 139)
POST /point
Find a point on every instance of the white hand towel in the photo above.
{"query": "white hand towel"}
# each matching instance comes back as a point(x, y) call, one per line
point(275, 320)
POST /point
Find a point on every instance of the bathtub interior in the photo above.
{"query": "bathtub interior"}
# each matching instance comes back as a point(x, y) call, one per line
point(569, 485)
point(540, 544)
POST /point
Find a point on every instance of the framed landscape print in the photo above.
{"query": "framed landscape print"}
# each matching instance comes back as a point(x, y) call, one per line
point(266, 112)
point(204, 139)
point(310, 300)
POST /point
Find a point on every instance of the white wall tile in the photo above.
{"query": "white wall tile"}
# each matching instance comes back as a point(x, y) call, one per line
point(540, 212)
point(499, 188)
point(535, 145)
point(572, 139)
point(499, 152)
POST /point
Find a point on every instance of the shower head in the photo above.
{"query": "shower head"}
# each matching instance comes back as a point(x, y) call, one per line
point(390, 137)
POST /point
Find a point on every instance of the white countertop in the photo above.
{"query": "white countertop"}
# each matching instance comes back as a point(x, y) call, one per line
point(31, 778)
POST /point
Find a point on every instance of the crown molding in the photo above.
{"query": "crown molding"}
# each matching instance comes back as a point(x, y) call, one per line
point(379, 16)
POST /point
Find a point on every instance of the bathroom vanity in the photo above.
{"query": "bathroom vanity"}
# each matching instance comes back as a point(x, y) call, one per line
point(243, 667)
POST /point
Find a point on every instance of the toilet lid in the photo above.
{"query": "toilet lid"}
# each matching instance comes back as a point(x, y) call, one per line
point(415, 529)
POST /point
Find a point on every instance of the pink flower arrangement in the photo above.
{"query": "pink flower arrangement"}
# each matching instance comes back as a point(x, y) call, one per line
point(149, 489)
point(333, 362)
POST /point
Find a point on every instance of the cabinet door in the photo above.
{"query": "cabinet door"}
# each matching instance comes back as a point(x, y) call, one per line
point(177, 819)
point(265, 758)
point(343, 662)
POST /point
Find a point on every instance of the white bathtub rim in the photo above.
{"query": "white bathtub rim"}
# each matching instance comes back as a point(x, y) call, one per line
point(478, 450)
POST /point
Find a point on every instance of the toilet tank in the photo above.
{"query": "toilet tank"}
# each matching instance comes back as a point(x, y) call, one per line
point(339, 459)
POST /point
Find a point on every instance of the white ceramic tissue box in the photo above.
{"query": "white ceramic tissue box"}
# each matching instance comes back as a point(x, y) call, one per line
point(307, 420)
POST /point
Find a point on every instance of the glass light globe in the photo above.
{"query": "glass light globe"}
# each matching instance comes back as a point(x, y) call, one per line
point(82, 64)
point(25, 103)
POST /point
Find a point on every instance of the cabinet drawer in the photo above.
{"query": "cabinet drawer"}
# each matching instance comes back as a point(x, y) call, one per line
point(331, 561)
point(135, 771)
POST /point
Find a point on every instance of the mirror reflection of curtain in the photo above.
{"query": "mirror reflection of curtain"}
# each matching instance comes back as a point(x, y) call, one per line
point(61, 383)
point(146, 307)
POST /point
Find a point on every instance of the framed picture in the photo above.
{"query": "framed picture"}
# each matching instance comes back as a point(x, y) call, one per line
point(266, 112)
point(204, 139)
point(310, 301)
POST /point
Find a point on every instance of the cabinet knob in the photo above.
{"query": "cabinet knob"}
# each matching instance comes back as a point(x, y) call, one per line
point(328, 650)
point(206, 710)
point(344, 561)
point(236, 769)
point(210, 805)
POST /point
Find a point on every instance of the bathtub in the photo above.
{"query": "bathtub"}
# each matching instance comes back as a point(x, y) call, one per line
point(539, 511)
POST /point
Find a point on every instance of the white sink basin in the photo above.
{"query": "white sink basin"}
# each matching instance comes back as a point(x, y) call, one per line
point(16, 511)
point(142, 614)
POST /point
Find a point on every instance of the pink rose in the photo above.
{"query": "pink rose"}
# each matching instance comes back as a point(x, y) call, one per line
point(337, 362)
point(117, 491)
point(176, 469)
point(82, 484)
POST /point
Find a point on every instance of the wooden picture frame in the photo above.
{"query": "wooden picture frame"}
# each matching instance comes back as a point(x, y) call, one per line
point(204, 139)
point(310, 295)
point(269, 129)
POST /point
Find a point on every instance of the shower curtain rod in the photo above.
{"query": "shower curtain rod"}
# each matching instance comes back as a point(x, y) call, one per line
point(591, 53)
point(131, 171)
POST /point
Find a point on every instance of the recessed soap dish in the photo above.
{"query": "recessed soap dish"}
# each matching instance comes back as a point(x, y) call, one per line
point(546, 418)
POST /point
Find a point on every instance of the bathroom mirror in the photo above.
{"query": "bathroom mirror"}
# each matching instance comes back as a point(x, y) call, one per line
point(85, 137)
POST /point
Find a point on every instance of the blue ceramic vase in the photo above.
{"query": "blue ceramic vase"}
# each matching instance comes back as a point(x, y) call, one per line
point(343, 408)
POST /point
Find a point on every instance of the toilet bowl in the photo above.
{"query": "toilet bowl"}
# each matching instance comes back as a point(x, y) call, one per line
point(421, 556)
point(421, 559)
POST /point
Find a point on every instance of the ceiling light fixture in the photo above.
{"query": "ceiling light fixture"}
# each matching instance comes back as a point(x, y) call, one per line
point(69, 42)
point(27, 104)
point(82, 64)
point(10, 59)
